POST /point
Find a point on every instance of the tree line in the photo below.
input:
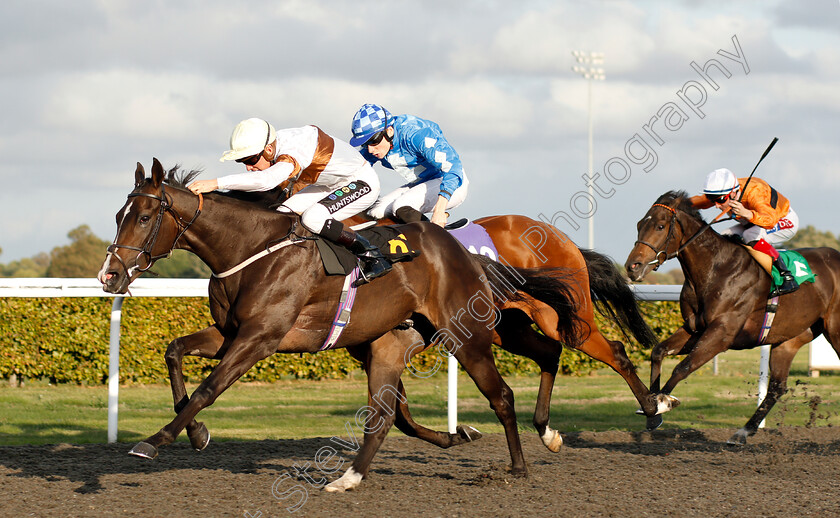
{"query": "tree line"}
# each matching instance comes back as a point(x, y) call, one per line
point(84, 255)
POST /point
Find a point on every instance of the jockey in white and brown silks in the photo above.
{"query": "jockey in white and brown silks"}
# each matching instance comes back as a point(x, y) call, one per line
point(340, 183)
point(764, 216)
point(417, 150)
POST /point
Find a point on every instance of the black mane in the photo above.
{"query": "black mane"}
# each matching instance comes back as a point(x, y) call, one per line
point(177, 177)
point(682, 201)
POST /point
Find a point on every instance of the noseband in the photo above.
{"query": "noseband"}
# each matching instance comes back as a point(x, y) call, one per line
point(662, 255)
point(146, 250)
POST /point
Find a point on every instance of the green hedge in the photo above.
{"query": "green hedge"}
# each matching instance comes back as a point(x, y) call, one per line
point(65, 340)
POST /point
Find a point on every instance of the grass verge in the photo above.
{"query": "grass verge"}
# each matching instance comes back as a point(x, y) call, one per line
point(39, 413)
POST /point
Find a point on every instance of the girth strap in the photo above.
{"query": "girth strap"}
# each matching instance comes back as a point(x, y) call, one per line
point(769, 316)
point(345, 306)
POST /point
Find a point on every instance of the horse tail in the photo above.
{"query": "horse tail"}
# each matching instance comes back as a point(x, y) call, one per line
point(550, 286)
point(614, 298)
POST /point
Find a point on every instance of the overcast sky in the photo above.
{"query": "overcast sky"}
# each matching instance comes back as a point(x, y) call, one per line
point(89, 88)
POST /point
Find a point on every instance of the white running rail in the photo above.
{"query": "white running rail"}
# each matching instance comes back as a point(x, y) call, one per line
point(83, 287)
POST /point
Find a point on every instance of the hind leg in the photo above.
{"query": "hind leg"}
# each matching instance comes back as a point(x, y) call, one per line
point(404, 421)
point(205, 344)
point(518, 337)
point(781, 358)
point(386, 363)
point(477, 359)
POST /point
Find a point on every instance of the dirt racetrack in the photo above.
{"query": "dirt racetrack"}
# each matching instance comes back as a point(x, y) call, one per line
point(781, 472)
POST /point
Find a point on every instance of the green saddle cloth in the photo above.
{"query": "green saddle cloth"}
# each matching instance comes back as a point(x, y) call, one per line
point(798, 266)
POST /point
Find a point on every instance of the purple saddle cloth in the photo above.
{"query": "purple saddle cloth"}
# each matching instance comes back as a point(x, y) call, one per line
point(476, 240)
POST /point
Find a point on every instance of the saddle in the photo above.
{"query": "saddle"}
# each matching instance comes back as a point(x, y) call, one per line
point(338, 260)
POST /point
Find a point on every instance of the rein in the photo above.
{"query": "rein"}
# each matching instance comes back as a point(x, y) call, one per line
point(664, 250)
point(146, 250)
point(291, 238)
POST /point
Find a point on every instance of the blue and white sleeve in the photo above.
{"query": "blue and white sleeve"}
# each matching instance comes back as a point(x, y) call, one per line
point(439, 153)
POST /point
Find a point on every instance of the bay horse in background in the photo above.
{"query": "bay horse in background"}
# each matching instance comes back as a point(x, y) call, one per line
point(284, 302)
point(526, 243)
point(724, 297)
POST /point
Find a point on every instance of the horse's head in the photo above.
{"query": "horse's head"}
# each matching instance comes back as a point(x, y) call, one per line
point(148, 228)
point(660, 234)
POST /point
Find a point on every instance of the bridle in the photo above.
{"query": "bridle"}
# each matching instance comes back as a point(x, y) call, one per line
point(663, 252)
point(146, 250)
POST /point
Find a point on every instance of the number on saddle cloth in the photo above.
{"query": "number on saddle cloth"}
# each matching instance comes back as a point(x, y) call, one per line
point(341, 261)
point(476, 240)
point(798, 266)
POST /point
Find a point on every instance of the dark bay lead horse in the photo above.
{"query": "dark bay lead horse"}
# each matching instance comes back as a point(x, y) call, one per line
point(284, 302)
point(724, 297)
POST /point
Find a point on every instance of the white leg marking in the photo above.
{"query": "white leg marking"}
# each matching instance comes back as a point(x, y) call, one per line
point(348, 481)
point(552, 439)
point(665, 402)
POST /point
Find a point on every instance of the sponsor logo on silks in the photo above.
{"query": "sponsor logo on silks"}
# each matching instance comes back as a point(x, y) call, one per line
point(352, 186)
point(332, 196)
point(784, 223)
point(339, 193)
point(347, 200)
point(398, 245)
point(345, 189)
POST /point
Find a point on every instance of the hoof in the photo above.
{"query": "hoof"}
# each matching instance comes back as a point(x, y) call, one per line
point(200, 438)
point(739, 438)
point(552, 440)
point(665, 402)
point(519, 472)
point(468, 433)
point(654, 422)
point(350, 480)
point(144, 449)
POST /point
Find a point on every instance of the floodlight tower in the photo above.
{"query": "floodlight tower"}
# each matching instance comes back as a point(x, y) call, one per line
point(586, 68)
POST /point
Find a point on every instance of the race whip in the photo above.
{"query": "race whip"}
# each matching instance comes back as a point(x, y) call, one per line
point(717, 218)
point(766, 151)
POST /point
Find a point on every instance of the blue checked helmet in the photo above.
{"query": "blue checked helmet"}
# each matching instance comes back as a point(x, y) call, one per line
point(368, 121)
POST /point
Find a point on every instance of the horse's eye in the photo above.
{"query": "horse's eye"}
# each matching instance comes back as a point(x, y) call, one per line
point(144, 220)
point(660, 227)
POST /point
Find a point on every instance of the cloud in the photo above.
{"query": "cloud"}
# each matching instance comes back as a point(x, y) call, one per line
point(91, 87)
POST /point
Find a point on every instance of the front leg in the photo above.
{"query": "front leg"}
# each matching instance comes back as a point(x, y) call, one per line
point(716, 338)
point(673, 345)
point(247, 349)
point(205, 344)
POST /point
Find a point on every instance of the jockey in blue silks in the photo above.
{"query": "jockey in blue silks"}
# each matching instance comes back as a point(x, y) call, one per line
point(418, 151)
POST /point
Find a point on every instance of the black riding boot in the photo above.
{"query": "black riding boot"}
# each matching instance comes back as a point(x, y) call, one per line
point(409, 215)
point(788, 281)
point(373, 264)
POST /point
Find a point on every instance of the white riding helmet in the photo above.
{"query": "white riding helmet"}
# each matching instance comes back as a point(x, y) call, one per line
point(719, 182)
point(249, 137)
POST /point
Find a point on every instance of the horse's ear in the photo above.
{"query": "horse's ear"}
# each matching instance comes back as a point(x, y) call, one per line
point(139, 175)
point(157, 173)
